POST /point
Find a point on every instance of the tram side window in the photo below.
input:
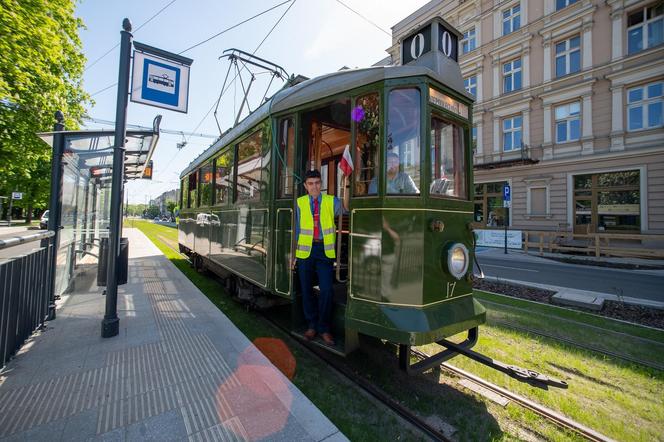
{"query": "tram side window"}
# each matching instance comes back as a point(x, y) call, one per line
point(286, 158)
point(205, 184)
point(366, 117)
point(223, 176)
point(183, 188)
point(193, 182)
point(402, 162)
point(248, 184)
point(448, 171)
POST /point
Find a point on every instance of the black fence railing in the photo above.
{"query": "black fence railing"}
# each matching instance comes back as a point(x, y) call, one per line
point(25, 291)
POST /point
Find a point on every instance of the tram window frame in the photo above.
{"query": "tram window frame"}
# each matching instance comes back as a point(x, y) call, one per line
point(418, 145)
point(258, 132)
point(228, 195)
point(192, 203)
point(463, 132)
point(286, 153)
point(358, 115)
point(183, 185)
point(203, 169)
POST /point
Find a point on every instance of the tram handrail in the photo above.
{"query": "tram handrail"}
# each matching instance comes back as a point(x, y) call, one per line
point(18, 240)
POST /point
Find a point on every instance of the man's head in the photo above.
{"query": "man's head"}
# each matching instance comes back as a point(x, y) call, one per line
point(312, 183)
point(392, 163)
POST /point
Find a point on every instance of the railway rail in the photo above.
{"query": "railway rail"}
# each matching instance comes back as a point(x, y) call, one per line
point(547, 413)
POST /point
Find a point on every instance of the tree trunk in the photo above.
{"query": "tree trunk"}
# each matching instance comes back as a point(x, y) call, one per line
point(28, 215)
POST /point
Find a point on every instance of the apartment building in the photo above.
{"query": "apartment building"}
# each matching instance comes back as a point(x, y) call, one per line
point(569, 109)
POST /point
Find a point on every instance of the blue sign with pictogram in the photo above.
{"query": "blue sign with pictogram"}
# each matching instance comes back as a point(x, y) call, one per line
point(507, 197)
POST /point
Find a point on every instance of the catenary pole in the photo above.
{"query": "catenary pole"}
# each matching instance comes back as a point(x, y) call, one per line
point(110, 325)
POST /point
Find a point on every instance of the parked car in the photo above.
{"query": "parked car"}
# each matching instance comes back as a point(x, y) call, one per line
point(43, 222)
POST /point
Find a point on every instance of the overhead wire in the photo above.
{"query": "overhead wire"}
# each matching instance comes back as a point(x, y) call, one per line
point(137, 29)
point(364, 18)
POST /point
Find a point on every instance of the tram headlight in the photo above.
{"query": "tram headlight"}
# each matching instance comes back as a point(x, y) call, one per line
point(457, 260)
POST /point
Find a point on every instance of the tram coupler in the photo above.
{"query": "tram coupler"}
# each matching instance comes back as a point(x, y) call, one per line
point(520, 374)
point(434, 360)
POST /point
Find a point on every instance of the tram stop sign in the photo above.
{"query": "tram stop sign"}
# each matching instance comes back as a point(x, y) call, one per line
point(17, 195)
point(507, 197)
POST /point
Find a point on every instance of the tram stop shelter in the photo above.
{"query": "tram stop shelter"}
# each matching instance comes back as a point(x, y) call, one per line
point(81, 186)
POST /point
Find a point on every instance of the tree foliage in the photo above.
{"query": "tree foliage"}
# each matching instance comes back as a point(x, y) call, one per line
point(40, 72)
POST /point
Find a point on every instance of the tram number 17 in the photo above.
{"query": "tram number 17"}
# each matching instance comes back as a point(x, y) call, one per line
point(450, 289)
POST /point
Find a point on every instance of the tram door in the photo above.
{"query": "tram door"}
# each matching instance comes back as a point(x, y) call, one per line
point(284, 209)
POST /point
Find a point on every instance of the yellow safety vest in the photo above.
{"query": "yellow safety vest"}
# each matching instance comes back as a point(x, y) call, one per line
point(326, 215)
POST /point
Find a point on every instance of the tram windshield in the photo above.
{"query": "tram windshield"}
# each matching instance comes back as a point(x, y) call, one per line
point(402, 162)
point(448, 166)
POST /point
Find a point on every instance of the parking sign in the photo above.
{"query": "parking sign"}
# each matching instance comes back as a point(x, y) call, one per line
point(507, 193)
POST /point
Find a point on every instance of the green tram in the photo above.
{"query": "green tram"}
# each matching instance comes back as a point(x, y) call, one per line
point(405, 267)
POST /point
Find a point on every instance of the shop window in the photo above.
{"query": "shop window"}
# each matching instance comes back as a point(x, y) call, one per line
point(568, 122)
point(489, 210)
point(568, 56)
point(511, 19)
point(402, 156)
point(512, 76)
point(560, 4)
point(470, 83)
point(469, 42)
point(366, 117)
point(512, 133)
point(644, 106)
point(223, 176)
point(608, 202)
point(645, 28)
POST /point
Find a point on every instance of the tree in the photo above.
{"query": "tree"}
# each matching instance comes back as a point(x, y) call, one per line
point(40, 72)
point(170, 206)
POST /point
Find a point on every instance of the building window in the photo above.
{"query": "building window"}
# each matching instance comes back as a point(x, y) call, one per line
point(645, 28)
point(568, 123)
point(560, 4)
point(473, 138)
point(537, 201)
point(511, 19)
point(512, 76)
point(512, 133)
point(489, 204)
point(608, 201)
point(568, 56)
point(470, 83)
point(469, 41)
point(644, 106)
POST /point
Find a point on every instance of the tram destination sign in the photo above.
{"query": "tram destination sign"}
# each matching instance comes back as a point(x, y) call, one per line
point(437, 35)
point(160, 78)
point(448, 103)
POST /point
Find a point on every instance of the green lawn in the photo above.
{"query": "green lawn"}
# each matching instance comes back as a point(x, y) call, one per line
point(622, 400)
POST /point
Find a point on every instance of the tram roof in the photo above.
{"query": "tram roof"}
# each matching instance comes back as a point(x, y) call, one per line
point(318, 88)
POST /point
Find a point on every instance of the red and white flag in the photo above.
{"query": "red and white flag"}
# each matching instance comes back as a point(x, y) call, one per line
point(346, 163)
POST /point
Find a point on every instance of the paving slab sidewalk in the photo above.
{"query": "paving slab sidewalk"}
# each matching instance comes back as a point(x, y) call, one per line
point(178, 370)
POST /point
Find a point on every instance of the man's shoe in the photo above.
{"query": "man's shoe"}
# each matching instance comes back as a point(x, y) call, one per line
point(310, 334)
point(327, 338)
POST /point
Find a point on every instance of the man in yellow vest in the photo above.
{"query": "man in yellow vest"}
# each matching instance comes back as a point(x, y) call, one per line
point(315, 253)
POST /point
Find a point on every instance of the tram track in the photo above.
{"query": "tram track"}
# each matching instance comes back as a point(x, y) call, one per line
point(547, 413)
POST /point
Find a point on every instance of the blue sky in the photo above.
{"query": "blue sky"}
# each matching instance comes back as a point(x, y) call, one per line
point(315, 37)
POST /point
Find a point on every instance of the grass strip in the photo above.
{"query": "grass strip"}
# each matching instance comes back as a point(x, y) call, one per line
point(352, 412)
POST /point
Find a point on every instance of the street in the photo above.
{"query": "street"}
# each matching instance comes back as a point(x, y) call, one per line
point(644, 284)
point(11, 232)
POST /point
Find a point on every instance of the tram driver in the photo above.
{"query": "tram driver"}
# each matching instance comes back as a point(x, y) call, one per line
point(397, 181)
point(315, 253)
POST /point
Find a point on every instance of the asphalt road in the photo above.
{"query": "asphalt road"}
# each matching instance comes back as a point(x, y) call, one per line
point(644, 284)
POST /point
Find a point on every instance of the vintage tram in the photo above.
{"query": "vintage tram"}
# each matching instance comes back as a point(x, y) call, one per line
point(404, 269)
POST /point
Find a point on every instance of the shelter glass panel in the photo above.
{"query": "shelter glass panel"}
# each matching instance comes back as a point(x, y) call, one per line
point(366, 117)
point(402, 163)
point(448, 165)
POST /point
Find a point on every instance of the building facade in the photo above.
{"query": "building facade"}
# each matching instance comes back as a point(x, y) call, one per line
point(568, 112)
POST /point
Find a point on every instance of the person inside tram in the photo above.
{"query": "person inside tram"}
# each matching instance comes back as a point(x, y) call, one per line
point(397, 181)
point(315, 252)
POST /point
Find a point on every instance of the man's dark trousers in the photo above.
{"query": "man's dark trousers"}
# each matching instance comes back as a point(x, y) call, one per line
point(318, 315)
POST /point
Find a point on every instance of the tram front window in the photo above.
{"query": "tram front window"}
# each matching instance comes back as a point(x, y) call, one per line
point(402, 161)
point(448, 166)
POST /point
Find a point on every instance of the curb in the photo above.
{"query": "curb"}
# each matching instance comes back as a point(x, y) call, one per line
point(581, 298)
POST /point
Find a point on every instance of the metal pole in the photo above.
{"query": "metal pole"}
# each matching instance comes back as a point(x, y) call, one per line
point(110, 325)
point(9, 214)
point(507, 211)
point(55, 205)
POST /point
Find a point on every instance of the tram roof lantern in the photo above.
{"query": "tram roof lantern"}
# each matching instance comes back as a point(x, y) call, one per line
point(434, 45)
